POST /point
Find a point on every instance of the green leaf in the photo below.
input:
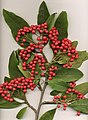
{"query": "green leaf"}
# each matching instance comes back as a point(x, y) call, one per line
point(54, 92)
point(70, 97)
point(58, 65)
point(1, 98)
point(67, 75)
point(63, 59)
point(31, 58)
point(14, 72)
point(62, 25)
point(83, 56)
point(74, 43)
point(50, 21)
point(9, 105)
point(2, 101)
point(43, 13)
point(36, 82)
point(25, 73)
point(21, 113)
point(17, 52)
point(7, 79)
point(80, 105)
point(19, 94)
point(15, 23)
point(58, 86)
point(83, 88)
point(49, 115)
point(39, 71)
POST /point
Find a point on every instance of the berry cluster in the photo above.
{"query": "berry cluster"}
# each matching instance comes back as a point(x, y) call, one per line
point(74, 91)
point(34, 29)
point(25, 54)
point(63, 100)
point(37, 60)
point(60, 100)
point(52, 73)
point(43, 36)
point(72, 84)
point(7, 89)
point(55, 43)
point(32, 65)
point(66, 47)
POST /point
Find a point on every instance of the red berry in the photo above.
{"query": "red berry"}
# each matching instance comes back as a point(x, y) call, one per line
point(58, 106)
point(55, 97)
point(63, 101)
point(65, 105)
point(24, 40)
point(38, 38)
point(24, 90)
point(69, 90)
point(36, 72)
point(22, 44)
point(78, 113)
point(58, 97)
point(50, 78)
point(11, 99)
point(42, 74)
point(64, 108)
point(64, 96)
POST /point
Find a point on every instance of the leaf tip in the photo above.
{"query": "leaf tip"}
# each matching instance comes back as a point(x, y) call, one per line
point(55, 13)
point(64, 12)
point(43, 2)
point(4, 11)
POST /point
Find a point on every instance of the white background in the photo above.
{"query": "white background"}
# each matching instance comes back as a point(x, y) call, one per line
point(78, 30)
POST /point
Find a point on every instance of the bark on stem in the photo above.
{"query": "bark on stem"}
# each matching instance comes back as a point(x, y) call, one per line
point(47, 102)
point(30, 106)
point(40, 102)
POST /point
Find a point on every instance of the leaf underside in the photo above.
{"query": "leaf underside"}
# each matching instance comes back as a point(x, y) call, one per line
point(9, 105)
point(80, 105)
point(83, 88)
point(67, 75)
point(83, 56)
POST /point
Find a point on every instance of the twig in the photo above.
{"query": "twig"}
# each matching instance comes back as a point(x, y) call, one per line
point(39, 87)
point(49, 102)
point(26, 102)
point(41, 98)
